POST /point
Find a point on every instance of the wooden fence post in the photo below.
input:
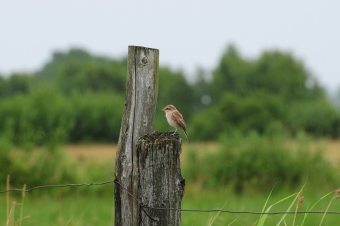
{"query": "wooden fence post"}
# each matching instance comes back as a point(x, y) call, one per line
point(161, 184)
point(147, 169)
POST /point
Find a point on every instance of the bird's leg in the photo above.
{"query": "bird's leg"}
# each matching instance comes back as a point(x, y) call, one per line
point(173, 133)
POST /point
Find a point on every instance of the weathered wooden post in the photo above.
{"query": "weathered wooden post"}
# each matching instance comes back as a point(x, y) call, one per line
point(161, 182)
point(147, 169)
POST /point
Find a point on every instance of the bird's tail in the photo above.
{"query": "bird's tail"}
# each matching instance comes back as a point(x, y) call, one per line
point(185, 132)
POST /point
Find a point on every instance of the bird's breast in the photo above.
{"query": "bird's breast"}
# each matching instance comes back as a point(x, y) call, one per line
point(170, 119)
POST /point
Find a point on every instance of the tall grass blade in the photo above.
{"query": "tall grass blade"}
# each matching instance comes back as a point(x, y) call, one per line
point(212, 221)
point(9, 216)
point(264, 216)
point(298, 203)
point(312, 207)
point(265, 204)
point(7, 195)
point(232, 222)
point(22, 204)
point(290, 206)
point(329, 204)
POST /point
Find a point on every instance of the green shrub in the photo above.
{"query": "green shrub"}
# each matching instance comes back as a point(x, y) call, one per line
point(43, 117)
point(44, 167)
point(46, 117)
point(49, 166)
point(319, 118)
point(254, 162)
point(255, 112)
point(97, 117)
point(260, 110)
point(207, 125)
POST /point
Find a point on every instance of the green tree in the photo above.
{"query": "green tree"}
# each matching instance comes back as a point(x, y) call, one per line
point(79, 70)
point(39, 118)
point(274, 72)
point(3, 87)
point(254, 112)
point(16, 83)
point(336, 98)
point(280, 74)
point(202, 95)
point(91, 76)
point(97, 117)
point(255, 94)
point(319, 118)
point(231, 75)
point(19, 83)
point(173, 89)
point(50, 69)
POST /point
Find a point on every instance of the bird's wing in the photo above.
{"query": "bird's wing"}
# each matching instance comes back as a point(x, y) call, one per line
point(179, 119)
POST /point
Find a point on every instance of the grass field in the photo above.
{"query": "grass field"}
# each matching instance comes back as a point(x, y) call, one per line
point(51, 209)
point(80, 210)
point(99, 153)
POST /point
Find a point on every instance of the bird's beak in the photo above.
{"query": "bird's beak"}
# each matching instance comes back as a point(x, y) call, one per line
point(163, 109)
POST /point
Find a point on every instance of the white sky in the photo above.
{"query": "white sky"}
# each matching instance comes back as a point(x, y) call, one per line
point(187, 33)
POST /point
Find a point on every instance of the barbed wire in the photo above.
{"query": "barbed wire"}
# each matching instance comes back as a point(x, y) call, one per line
point(219, 210)
point(57, 186)
point(144, 207)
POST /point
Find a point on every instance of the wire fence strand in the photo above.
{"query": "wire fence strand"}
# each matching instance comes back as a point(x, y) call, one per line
point(145, 207)
point(57, 186)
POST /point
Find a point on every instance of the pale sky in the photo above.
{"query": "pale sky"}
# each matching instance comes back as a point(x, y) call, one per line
point(189, 34)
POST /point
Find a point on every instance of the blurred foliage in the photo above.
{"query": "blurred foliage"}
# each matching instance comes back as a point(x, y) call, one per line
point(16, 83)
point(79, 97)
point(256, 163)
point(78, 70)
point(39, 167)
point(232, 112)
point(173, 89)
point(275, 72)
point(253, 106)
point(49, 118)
point(41, 117)
point(251, 94)
point(49, 166)
point(97, 117)
point(319, 118)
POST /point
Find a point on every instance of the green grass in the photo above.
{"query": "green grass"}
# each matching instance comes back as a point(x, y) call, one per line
point(94, 205)
point(248, 202)
point(98, 210)
point(71, 210)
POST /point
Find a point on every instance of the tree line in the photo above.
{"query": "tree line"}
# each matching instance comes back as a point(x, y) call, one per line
point(79, 97)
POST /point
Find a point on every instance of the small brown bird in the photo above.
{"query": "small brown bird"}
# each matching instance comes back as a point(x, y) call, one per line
point(175, 119)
